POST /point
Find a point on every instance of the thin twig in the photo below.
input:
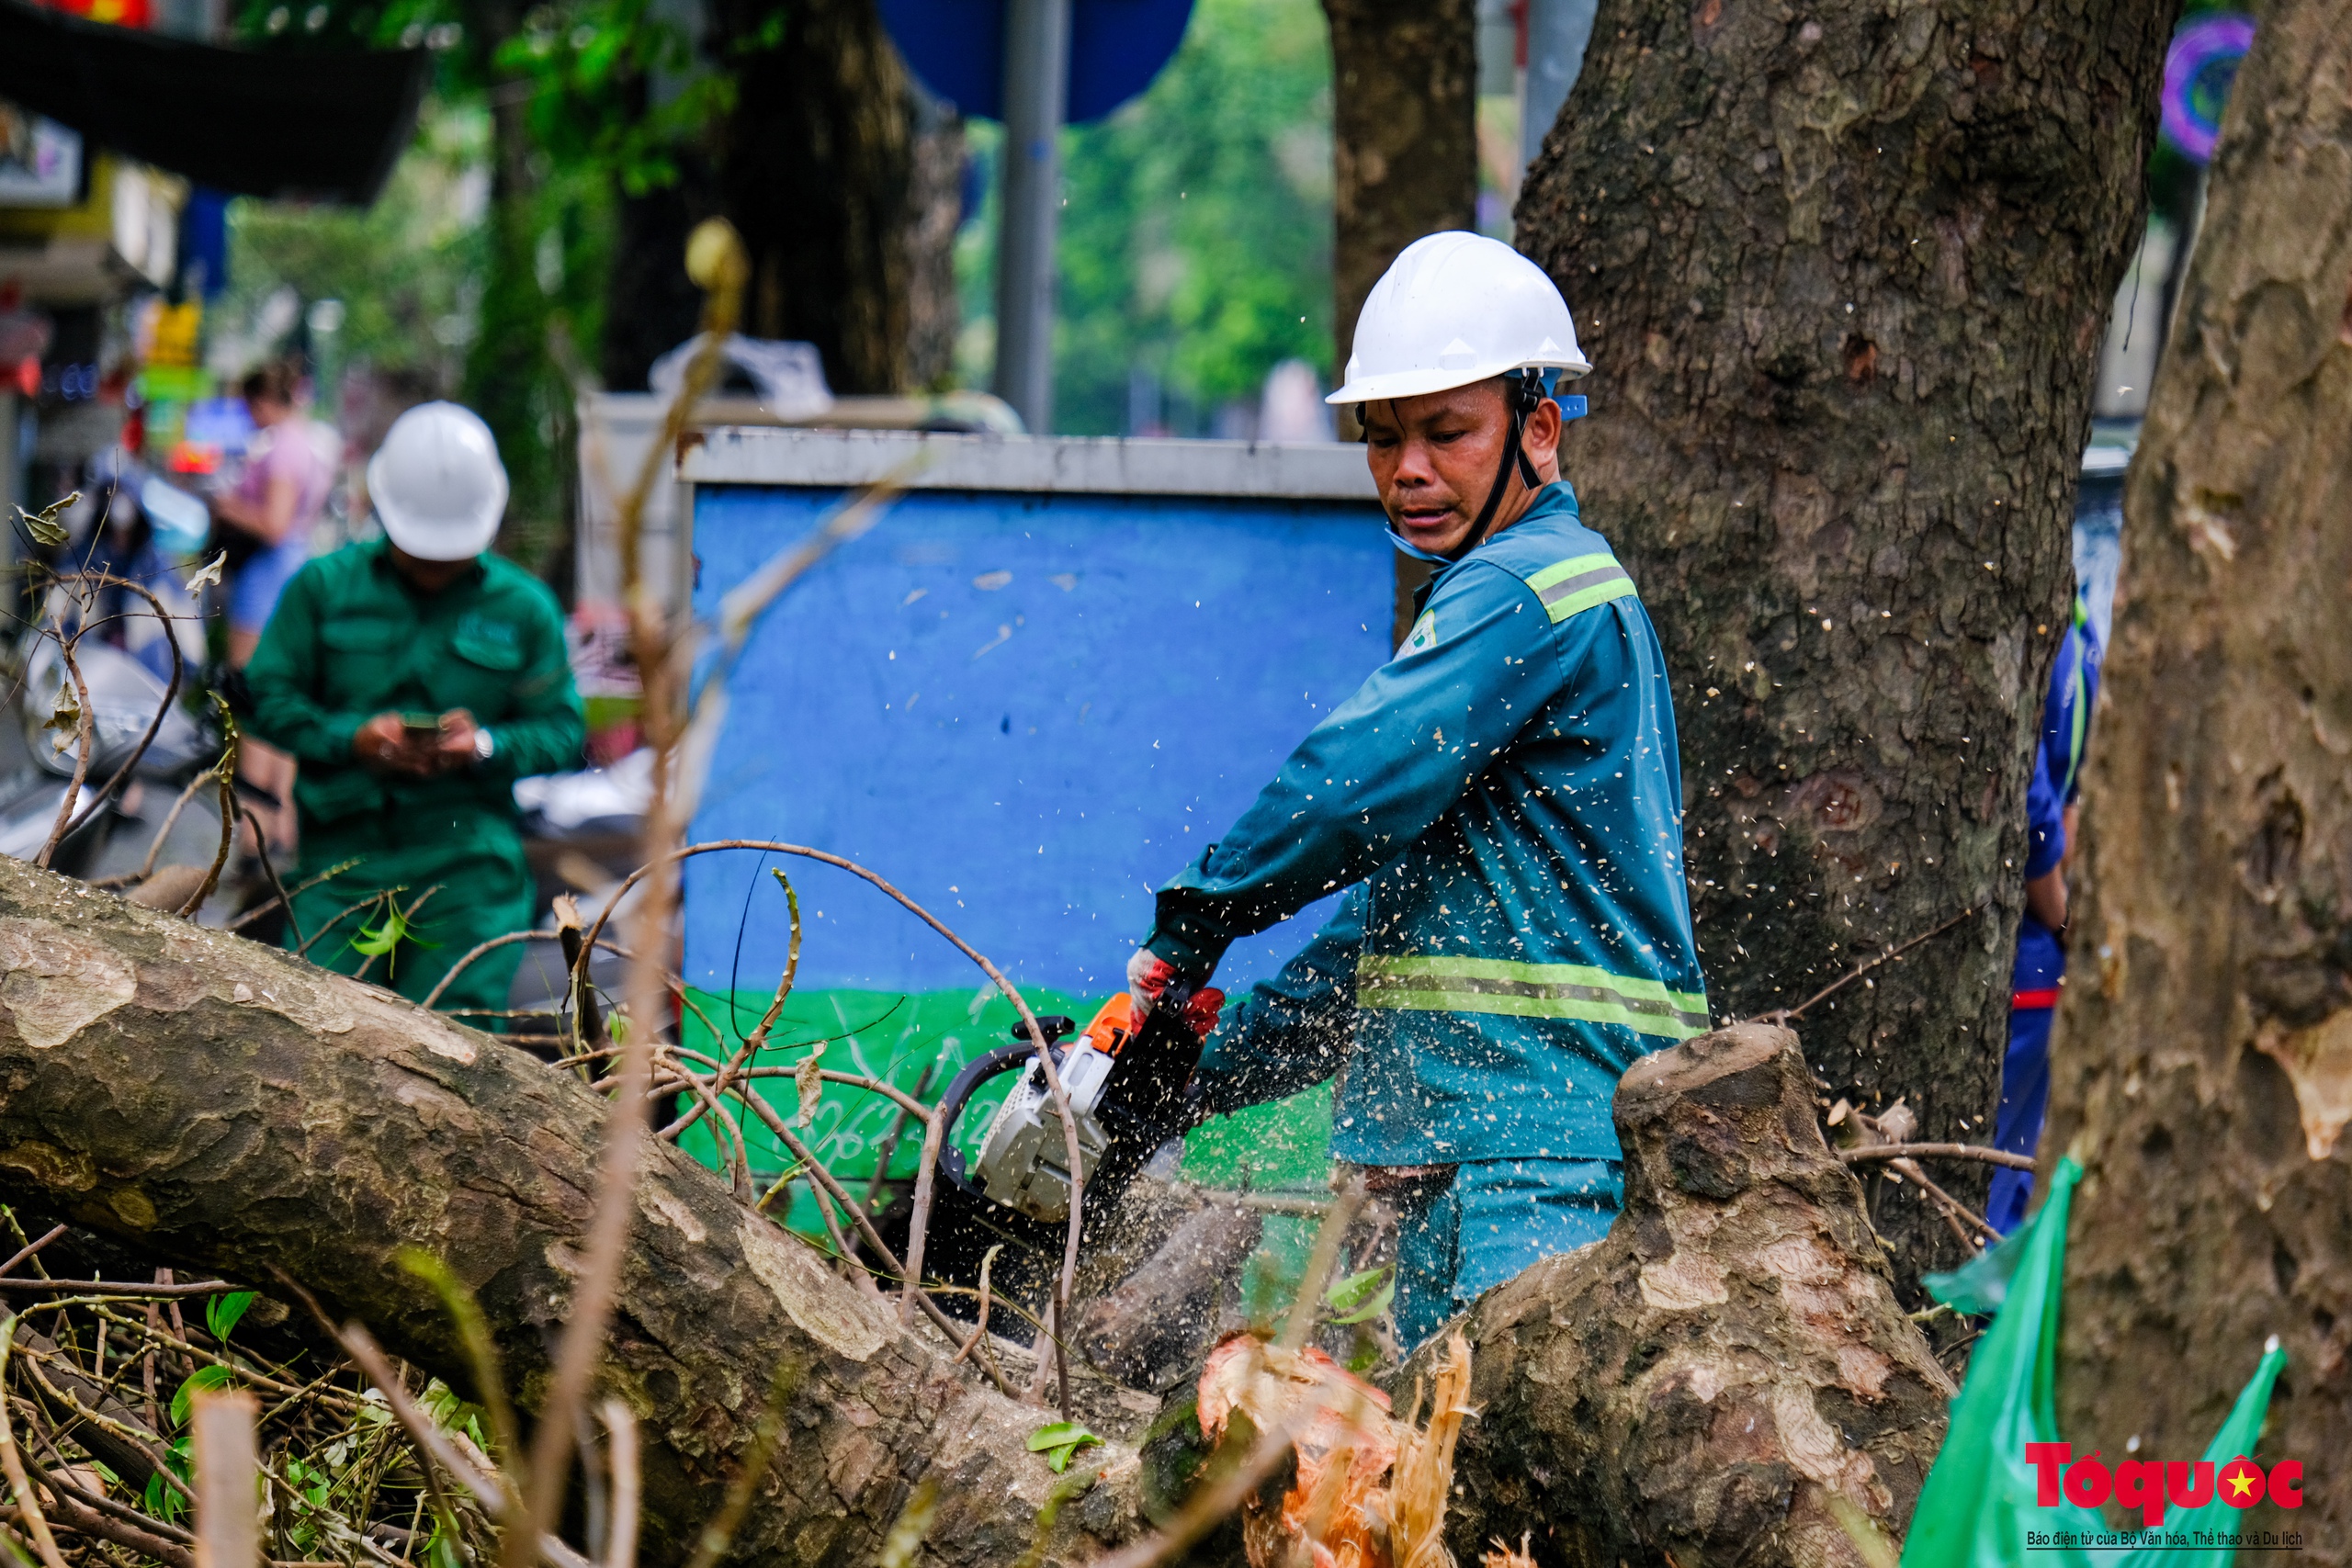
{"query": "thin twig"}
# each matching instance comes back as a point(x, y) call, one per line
point(1953, 1207)
point(344, 913)
point(625, 1122)
point(117, 1288)
point(1786, 1015)
point(171, 817)
point(487, 1491)
point(226, 772)
point(620, 1427)
point(287, 898)
point(759, 1035)
point(261, 848)
point(30, 1248)
point(77, 1516)
point(171, 695)
point(1036, 1036)
point(1936, 1151)
point(53, 1481)
point(825, 1182)
point(407, 916)
point(14, 1464)
point(980, 1330)
point(481, 948)
point(85, 742)
point(1333, 1231)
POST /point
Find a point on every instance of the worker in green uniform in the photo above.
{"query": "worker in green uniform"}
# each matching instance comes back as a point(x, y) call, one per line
point(415, 678)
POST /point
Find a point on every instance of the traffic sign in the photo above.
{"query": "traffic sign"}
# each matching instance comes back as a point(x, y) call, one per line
point(1116, 47)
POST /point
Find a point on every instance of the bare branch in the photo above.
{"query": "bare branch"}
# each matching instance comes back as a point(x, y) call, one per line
point(84, 741)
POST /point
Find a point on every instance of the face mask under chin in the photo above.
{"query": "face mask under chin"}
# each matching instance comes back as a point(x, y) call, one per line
point(1416, 551)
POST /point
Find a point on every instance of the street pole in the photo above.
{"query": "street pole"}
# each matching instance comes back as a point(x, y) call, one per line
point(1036, 95)
point(1558, 31)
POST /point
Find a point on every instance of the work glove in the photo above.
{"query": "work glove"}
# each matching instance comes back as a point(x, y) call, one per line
point(1148, 978)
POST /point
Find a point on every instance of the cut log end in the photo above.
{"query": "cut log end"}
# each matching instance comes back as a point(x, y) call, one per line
point(1728, 1370)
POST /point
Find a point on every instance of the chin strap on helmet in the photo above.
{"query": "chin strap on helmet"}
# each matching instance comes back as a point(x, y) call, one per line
point(1525, 395)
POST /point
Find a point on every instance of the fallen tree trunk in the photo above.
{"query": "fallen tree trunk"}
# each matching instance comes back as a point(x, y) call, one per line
point(217, 1104)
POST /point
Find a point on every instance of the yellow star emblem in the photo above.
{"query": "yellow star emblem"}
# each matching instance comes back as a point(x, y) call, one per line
point(2241, 1483)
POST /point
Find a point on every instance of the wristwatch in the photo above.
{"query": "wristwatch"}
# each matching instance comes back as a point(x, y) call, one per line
point(483, 745)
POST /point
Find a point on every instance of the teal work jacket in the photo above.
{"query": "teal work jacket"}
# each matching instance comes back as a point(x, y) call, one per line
point(1502, 803)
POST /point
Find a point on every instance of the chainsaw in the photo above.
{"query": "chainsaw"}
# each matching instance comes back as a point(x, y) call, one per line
point(1126, 1088)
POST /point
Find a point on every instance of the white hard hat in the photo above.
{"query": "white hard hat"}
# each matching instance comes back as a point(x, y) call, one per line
point(1455, 309)
point(437, 484)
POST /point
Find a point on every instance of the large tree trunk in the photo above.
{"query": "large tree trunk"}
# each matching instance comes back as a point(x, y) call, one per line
point(845, 186)
point(1404, 136)
point(1843, 272)
point(815, 169)
point(2202, 1071)
point(218, 1104)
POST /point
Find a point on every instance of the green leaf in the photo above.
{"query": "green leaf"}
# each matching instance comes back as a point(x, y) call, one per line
point(1059, 1442)
point(162, 1501)
point(1353, 1290)
point(222, 1313)
point(1368, 1294)
point(202, 1378)
point(1055, 1433)
point(1372, 1308)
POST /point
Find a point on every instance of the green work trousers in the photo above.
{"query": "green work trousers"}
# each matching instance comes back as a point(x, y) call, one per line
point(460, 870)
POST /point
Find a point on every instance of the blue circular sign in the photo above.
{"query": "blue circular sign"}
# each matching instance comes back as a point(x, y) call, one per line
point(1116, 47)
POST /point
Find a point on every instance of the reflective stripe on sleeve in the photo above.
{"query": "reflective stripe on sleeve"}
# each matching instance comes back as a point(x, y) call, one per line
point(1579, 584)
point(1425, 984)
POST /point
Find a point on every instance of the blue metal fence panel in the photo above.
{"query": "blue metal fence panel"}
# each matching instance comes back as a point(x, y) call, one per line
point(1025, 710)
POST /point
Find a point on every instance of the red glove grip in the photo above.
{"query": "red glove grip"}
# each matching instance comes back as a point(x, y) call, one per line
point(1201, 1012)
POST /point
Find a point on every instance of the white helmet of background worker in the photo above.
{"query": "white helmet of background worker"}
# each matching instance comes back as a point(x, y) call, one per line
point(1452, 310)
point(437, 485)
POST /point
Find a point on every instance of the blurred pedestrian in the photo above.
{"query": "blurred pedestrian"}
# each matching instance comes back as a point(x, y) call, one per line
point(2052, 808)
point(263, 521)
point(266, 516)
point(417, 677)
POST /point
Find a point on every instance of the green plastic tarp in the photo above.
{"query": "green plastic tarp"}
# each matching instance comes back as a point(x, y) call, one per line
point(1981, 1508)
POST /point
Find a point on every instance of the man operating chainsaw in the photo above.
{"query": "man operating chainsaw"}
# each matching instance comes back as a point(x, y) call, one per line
point(1501, 802)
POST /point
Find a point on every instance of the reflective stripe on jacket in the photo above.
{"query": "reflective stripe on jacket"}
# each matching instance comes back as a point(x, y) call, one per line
point(1503, 799)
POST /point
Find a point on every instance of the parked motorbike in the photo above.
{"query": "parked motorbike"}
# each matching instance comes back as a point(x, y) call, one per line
point(126, 702)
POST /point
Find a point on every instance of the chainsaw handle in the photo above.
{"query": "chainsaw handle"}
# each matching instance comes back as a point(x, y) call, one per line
point(960, 1089)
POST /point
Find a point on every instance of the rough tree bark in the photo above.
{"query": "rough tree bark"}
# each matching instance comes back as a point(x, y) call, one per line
point(1404, 136)
point(216, 1104)
point(219, 1105)
point(1843, 271)
point(1403, 163)
point(1757, 1367)
point(2202, 1071)
point(846, 188)
point(815, 169)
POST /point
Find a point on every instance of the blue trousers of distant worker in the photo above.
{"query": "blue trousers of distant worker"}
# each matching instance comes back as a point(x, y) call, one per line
point(2025, 1099)
point(1495, 1219)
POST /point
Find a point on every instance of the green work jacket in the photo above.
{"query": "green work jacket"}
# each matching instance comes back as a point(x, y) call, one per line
point(352, 638)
